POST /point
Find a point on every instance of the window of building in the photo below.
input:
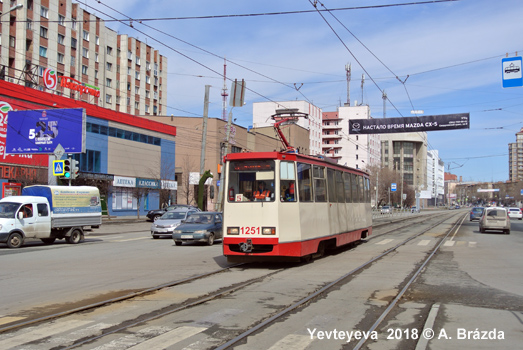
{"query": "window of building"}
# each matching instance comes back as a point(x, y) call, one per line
point(128, 101)
point(12, 41)
point(60, 58)
point(73, 61)
point(146, 108)
point(97, 40)
point(96, 74)
point(136, 105)
point(73, 23)
point(96, 57)
point(108, 98)
point(137, 90)
point(147, 65)
point(109, 51)
point(123, 199)
point(85, 52)
point(43, 32)
point(129, 55)
point(84, 69)
point(61, 39)
point(128, 86)
point(147, 94)
point(86, 35)
point(147, 79)
point(137, 75)
point(109, 66)
point(41, 71)
point(73, 43)
point(137, 60)
point(117, 99)
point(128, 70)
point(43, 51)
point(156, 81)
point(44, 12)
point(108, 82)
point(61, 20)
point(29, 25)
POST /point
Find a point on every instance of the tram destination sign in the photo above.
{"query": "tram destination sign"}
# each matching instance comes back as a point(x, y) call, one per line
point(410, 124)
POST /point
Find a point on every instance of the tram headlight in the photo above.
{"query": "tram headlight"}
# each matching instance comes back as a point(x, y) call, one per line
point(233, 230)
point(268, 230)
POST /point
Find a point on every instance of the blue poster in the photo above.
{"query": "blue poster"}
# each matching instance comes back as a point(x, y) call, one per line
point(41, 131)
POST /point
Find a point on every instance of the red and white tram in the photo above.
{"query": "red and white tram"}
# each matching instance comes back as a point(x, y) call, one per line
point(288, 206)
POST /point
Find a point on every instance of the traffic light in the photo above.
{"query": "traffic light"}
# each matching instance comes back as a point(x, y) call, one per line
point(67, 169)
point(74, 169)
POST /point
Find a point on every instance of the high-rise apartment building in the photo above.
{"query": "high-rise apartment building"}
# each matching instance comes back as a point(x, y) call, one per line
point(356, 151)
point(515, 158)
point(92, 62)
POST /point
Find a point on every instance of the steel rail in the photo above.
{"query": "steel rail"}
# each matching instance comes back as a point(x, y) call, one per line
point(320, 291)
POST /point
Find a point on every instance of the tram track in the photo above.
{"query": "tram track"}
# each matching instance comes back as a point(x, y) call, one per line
point(273, 319)
point(214, 296)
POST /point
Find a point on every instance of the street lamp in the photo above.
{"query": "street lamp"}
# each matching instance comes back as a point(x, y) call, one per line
point(14, 8)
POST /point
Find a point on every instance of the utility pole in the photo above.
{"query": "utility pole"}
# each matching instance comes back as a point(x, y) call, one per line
point(362, 82)
point(204, 131)
point(222, 174)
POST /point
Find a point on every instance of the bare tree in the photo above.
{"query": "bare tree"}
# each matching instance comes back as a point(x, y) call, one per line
point(185, 189)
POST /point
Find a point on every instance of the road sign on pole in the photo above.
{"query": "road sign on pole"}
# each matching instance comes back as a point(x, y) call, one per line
point(393, 187)
point(512, 75)
point(58, 168)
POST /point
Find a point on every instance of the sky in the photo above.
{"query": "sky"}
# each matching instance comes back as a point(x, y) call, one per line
point(439, 57)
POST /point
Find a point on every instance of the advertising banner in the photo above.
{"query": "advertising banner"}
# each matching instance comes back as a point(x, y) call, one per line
point(22, 159)
point(41, 131)
point(409, 124)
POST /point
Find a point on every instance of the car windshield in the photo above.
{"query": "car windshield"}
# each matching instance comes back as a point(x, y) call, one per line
point(477, 210)
point(8, 210)
point(174, 215)
point(199, 219)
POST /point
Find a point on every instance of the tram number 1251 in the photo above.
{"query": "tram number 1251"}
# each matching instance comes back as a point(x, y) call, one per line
point(250, 230)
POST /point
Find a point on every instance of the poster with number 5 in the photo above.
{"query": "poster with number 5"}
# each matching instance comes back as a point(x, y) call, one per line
point(41, 131)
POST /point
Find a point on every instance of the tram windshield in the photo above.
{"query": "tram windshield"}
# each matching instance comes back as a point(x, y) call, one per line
point(251, 180)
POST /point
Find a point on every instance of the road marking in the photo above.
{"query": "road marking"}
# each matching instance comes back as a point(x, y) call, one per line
point(292, 341)
point(424, 242)
point(169, 339)
point(42, 332)
point(385, 241)
point(131, 239)
point(473, 244)
point(9, 319)
point(449, 243)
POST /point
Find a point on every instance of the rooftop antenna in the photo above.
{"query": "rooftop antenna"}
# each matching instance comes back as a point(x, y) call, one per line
point(224, 90)
point(362, 82)
point(384, 96)
point(348, 71)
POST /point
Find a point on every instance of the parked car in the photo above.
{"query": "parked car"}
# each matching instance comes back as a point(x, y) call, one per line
point(165, 224)
point(475, 213)
point(386, 209)
point(495, 219)
point(205, 226)
point(515, 213)
point(153, 215)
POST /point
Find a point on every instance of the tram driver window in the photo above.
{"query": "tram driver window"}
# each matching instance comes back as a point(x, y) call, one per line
point(246, 177)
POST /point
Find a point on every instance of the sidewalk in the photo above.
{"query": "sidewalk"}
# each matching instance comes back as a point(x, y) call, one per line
point(122, 219)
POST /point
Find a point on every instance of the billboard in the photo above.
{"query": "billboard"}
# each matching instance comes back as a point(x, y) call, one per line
point(41, 131)
point(409, 124)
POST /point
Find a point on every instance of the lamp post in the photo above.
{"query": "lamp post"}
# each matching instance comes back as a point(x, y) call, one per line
point(14, 8)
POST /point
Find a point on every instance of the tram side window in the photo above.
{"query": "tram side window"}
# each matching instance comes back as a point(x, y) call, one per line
point(346, 182)
point(355, 190)
point(331, 185)
point(287, 182)
point(367, 188)
point(362, 189)
point(320, 186)
point(339, 187)
point(304, 182)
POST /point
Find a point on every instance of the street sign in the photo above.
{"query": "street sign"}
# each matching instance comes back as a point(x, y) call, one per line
point(58, 167)
point(393, 187)
point(59, 151)
point(511, 72)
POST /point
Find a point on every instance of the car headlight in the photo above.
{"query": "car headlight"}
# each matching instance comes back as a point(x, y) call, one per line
point(200, 231)
point(174, 225)
point(177, 231)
